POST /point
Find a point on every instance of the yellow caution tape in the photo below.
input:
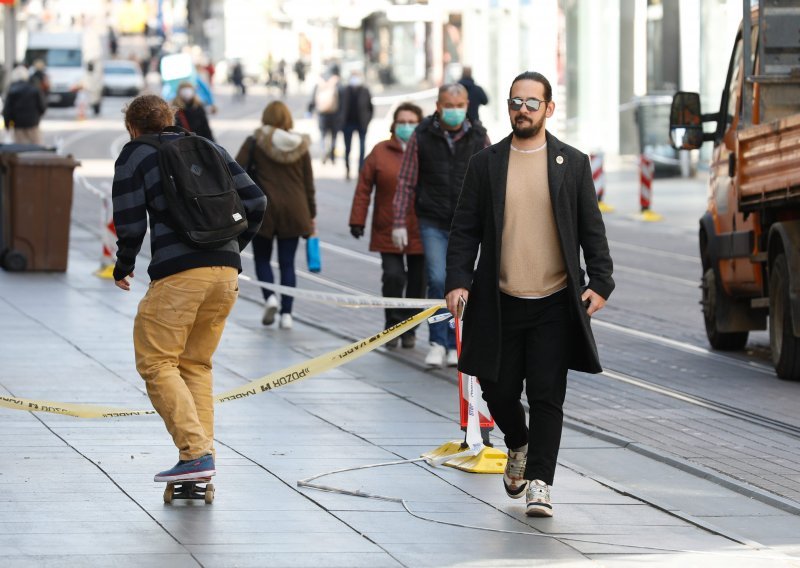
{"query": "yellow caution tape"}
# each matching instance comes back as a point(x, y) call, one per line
point(275, 380)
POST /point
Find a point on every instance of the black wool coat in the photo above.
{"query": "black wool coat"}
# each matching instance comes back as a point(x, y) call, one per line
point(478, 224)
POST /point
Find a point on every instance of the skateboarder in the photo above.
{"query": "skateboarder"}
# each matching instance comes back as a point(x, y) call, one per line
point(192, 290)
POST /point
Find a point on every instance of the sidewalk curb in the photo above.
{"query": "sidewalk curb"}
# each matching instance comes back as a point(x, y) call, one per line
point(741, 487)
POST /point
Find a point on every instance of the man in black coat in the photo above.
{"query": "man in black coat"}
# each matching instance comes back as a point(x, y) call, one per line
point(477, 96)
point(529, 204)
point(357, 116)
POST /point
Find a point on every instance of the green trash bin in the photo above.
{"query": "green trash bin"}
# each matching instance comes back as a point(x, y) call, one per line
point(36, 208)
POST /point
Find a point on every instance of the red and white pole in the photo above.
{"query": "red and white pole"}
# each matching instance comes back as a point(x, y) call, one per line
point(109, 240)
point(598, 175)
point(597, 160)
point(646, 171)
point(646, 175)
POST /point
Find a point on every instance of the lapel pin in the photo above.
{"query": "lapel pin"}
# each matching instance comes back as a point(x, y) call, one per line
point(559, 160)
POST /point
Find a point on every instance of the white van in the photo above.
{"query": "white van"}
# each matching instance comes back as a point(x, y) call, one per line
point(67, 56)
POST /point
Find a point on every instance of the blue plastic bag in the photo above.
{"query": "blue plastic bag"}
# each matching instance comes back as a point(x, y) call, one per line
point(313, 254)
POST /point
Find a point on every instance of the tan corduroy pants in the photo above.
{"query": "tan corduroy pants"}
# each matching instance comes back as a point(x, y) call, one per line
point(176, 331)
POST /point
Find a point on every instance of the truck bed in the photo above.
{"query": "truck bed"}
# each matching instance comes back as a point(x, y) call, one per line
point(768, 159)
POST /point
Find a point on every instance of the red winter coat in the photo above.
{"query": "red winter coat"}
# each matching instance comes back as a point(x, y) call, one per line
point(380, 170)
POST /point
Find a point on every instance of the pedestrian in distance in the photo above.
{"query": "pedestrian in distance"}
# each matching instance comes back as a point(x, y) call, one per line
point(477, 96)
point(300, 71)
point(529, 198)
point(430, 177)
point(181, 318)
point(402, 271)
point(326, 100)
point(237, 78)
point(39, 76)
point(357, 115)
point(278, 159)
point(24, 107)
point(190, 113)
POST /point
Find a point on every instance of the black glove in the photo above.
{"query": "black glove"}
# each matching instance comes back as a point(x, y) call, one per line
point(357, 231)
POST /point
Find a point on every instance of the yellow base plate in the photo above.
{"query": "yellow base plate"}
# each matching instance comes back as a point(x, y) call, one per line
point(488, 460)
point(106, 272)
point(605, 207)
point(649, 216)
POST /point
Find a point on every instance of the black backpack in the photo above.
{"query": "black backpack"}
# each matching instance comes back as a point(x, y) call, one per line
point(203, 206)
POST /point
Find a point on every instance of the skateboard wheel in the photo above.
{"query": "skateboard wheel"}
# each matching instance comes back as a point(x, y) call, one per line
point(169, 491)
point(209, 497)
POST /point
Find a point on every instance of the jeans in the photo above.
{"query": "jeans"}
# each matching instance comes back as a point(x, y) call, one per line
point(535, 340)
point(434, 242)
point(262, 254)
point(348, 131)
point(397, 279)
point(176, 331)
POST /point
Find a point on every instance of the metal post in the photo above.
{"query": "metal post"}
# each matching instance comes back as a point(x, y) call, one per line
point(10, 31)
point(747, 109)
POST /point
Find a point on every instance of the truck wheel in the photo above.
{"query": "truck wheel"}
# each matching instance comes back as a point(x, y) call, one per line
point(712, 301)
point(785, 346)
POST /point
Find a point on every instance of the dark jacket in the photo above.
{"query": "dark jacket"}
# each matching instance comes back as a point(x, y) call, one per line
point(478, 221)
point(138, 195)
point(24, 105)
point(357, 106)
point(380, 171)
point(441, 170)
point(194, 119)
point(281, 167)
point(477, 97)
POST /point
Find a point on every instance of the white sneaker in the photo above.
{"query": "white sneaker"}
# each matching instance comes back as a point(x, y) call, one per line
point(538, 498)
point(436, 356)
point(513, 477)
point(452, 358)
point(286, 321)
point(270, 309)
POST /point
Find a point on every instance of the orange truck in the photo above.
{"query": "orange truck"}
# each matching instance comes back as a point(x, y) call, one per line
point(750, 233)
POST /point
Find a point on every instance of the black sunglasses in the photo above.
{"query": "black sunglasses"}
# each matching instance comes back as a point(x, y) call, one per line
point(532, 104)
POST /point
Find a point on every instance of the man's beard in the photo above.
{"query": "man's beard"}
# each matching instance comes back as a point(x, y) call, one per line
point(529, 131)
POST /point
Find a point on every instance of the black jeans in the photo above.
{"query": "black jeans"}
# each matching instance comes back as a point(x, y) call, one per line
point(397, 278)
point(535, 345)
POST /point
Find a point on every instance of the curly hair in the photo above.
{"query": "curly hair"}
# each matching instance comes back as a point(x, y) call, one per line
point(149, 114)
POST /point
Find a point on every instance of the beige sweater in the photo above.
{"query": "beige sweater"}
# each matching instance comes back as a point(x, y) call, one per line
point(531, 261)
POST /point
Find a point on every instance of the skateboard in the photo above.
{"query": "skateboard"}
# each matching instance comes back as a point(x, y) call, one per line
point(199, 489)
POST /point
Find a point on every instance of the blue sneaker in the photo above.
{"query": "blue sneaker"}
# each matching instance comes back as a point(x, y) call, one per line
point(186, 470)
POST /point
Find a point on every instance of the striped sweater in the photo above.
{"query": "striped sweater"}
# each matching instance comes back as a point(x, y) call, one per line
point(137, 195)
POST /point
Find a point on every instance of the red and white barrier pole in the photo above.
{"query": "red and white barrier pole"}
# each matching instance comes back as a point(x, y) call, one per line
point(109, 239)
point(646, 175)
point(599, 179)
point(474, 453)
point(467, 383)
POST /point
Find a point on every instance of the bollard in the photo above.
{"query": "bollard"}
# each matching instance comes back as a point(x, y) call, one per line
point(599, 178)
point(109, 239)
point(646, 174)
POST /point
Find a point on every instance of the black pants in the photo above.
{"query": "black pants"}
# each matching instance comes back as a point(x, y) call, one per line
point(535, 341)
point(397, 278)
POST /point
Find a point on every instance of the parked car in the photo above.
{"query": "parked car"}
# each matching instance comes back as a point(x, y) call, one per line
point(122, 78)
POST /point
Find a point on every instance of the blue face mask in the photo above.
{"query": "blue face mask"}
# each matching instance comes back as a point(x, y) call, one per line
point(404, 131)
point(454, 116)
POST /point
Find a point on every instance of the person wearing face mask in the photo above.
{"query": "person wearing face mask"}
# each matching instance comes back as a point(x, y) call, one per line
point(430, 177)
point(191, 113)
point(357, 114)
point(403, 271)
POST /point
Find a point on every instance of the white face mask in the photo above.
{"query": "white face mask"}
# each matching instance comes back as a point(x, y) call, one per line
point(187, 94)
point(356, 81)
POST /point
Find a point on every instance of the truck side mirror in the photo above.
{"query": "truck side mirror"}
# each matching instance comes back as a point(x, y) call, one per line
point(686, 121)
